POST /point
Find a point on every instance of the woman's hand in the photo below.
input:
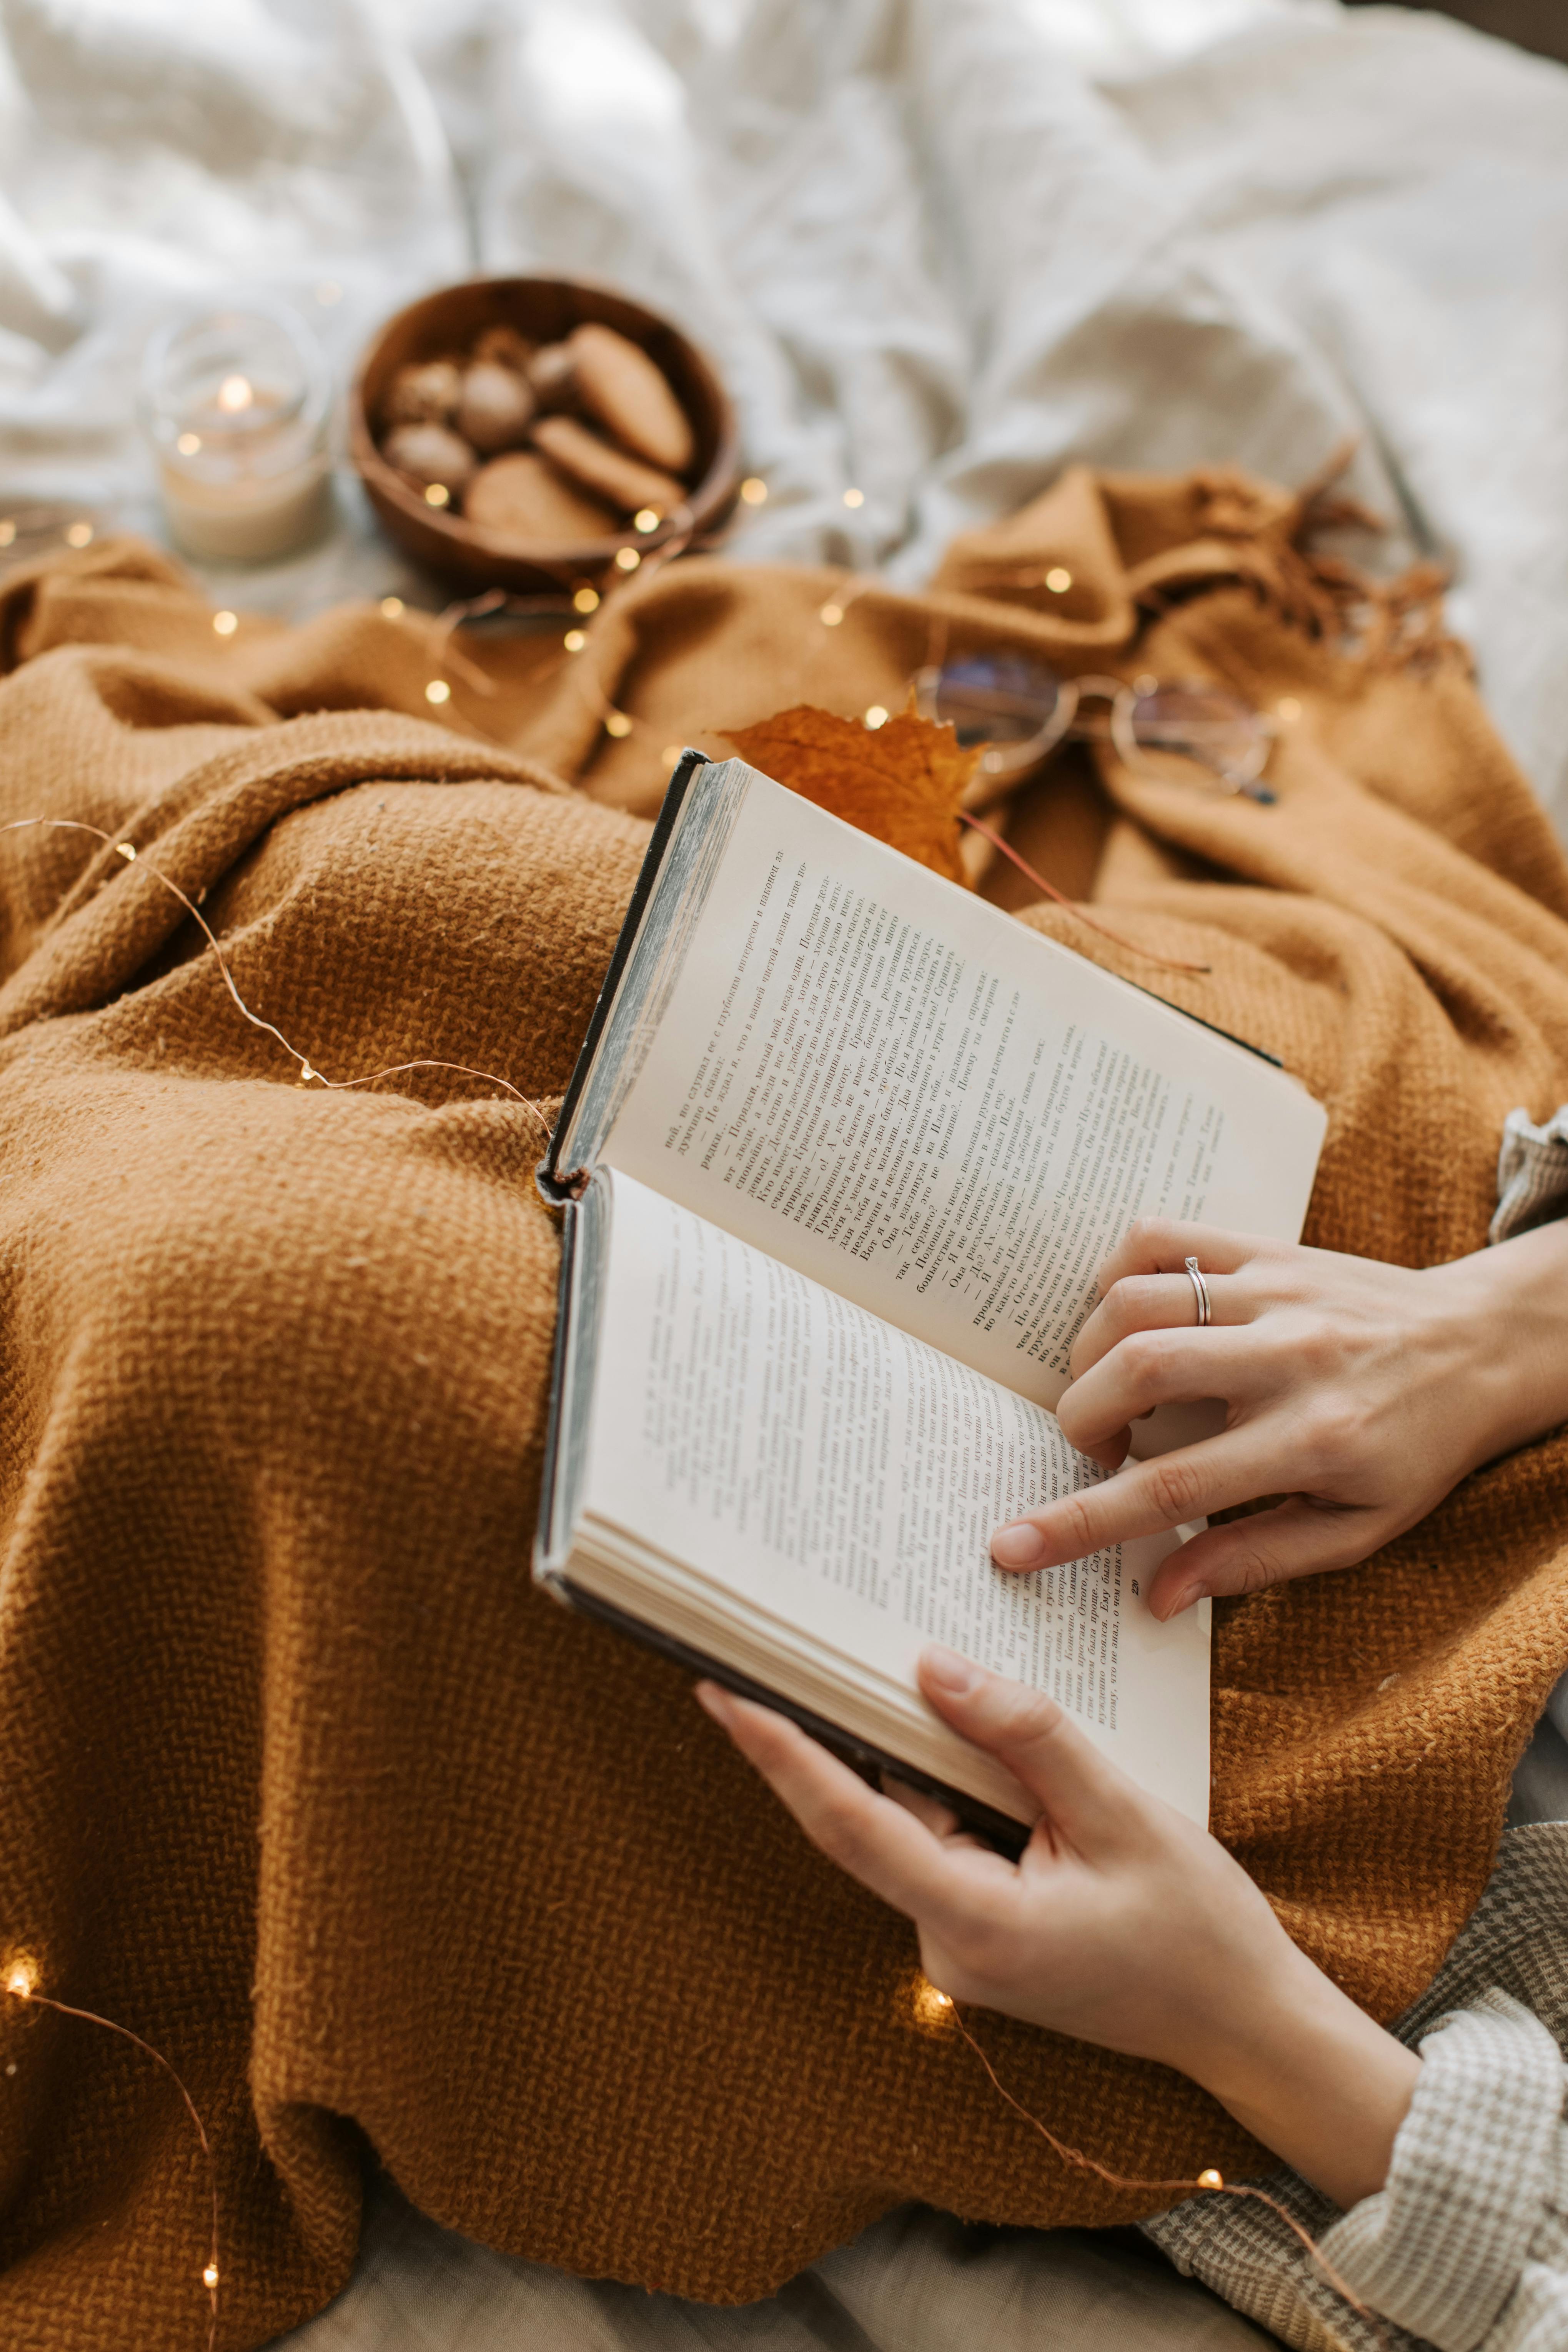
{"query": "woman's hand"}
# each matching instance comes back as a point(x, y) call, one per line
point(1360, 1393)
point(1122, 1924)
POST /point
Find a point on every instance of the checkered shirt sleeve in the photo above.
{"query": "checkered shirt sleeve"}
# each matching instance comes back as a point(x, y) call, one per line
point(1532, 1174)
point(1465, 2248)
point(1467, 2244)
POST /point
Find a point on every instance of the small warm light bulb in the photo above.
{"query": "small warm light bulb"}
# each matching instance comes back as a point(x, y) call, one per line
point(754, 491)
point(627, 558)
point(234, 394)
point(306, 1074)
point(932, 2009)
point(127, 850)
point(188, 444)
point(209, 2278)
point(586, 600)
point(225, 624)
point(437, 691)
point(79, 535)
point(669, 755)
point(1059, 579)
point(1210, 2178)
point(618, 723)
point(1289, 707)
point(20, 1981)
point(393, 607)
point(646, 518)
point(437, 495)
point(574, 641)
point(830, 616)
point(876, 716)
point(854, 498)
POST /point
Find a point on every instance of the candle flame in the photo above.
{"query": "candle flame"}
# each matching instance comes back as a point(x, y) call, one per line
point(234, 393)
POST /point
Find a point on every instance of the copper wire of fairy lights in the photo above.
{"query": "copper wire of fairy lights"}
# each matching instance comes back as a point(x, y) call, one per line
point(21, 1979)
point(21, 1984)
point(934, 2009)
point(308, 1075)
point(849, 588)
point(997, 841)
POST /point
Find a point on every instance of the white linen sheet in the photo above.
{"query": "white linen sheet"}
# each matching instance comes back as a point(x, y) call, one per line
point(938, 246)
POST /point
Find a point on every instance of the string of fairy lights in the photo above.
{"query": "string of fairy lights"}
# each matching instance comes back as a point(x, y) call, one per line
point(929, 2009)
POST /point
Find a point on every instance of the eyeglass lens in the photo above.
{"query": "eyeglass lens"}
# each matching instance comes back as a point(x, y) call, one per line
point(1204, 723)
point(1005, 698)
point(995, 698)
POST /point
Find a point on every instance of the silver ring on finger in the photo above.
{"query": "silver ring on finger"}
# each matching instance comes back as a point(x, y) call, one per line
point(1200, 1292)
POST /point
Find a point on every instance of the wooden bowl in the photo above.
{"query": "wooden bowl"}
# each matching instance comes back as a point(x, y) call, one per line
point(545, 310)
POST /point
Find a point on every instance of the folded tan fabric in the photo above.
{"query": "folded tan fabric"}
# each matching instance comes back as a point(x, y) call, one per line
point(298, 1778)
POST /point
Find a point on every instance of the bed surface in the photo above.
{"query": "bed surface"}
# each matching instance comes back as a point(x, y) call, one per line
point(937, 249)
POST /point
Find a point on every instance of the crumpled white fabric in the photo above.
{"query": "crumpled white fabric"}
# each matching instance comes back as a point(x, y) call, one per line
point(939, 248)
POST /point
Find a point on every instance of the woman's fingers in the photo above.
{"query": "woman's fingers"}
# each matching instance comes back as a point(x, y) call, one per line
point(1192, 1482)
point(875, 1840)
point(1157, 1302)
point(1160, 1245)
point(1155, 1368)
point(1084, 1795)
point(1297, 1537)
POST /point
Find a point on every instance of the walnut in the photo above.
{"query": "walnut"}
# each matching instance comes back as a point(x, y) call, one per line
point(550, 373)
point(496, 408)
point(506, 346)
point(428, 453)
point(424, 394)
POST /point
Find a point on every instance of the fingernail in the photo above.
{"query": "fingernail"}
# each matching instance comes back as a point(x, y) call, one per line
point(947, 1669)
point(1020, 1546)
point(1182, 1600)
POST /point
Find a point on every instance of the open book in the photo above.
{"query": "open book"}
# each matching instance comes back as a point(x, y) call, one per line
point(844, 1152)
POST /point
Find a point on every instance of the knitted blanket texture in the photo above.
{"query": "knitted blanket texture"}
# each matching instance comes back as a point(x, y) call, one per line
point(300, 1778)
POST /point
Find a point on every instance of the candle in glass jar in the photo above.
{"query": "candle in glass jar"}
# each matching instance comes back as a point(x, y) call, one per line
point(235, 408)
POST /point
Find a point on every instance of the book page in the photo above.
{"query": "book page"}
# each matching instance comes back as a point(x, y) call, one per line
point(845, 1479)
point(892, 1087)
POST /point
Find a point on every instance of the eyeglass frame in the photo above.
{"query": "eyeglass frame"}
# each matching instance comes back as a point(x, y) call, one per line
point(1007, 764)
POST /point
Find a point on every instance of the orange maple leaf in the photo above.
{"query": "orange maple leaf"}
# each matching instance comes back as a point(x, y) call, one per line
point(902, 782)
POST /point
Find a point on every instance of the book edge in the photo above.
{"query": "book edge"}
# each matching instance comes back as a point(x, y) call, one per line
point(547, 1175)
point(1000, 1829)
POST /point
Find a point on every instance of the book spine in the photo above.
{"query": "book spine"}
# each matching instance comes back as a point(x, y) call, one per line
point(560, 1185)
point(544, 1528)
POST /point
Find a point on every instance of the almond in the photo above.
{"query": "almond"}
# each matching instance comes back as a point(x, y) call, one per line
point(625, 482)
point(522, 497)
point(617, 382)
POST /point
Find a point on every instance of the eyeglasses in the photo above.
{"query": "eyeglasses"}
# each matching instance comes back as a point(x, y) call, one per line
point(1020, 712)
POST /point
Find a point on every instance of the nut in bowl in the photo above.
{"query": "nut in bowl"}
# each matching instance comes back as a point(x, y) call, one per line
point(527, 432)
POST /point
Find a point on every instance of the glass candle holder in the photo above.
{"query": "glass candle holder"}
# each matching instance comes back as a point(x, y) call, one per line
point(234, 405)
